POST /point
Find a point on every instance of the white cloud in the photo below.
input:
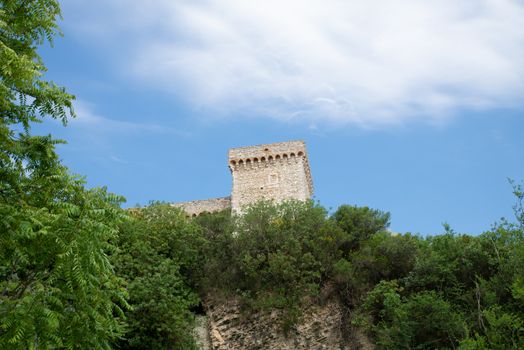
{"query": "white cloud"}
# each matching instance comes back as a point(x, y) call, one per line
point(374, 62)
point(118, 160)
point(87, 119)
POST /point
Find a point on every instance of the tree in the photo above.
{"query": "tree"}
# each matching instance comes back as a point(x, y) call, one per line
point(24, 96)
point(158, 251)
point(421, 321)
point(57, 286)
point(360, 223)
point(277, 255)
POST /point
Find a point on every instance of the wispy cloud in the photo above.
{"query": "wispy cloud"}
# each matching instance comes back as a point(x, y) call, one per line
point(86, 118)
point(118, 160)
point(370, 63)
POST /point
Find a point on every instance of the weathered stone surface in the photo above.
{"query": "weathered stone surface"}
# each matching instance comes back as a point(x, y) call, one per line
point(275, 171)
point(197, 207)
point(201, 333)
point(319, 328)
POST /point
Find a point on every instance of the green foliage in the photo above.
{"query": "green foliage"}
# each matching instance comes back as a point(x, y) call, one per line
point(451, 291)
point(281, 255)
point(24, 96)
point(57, 287)
point(277, 256)
point(216, 252)
point(277, 264)
point(502, 330)
point(382, 257)
point(360, 223)
point(421, 321)
point(518, 208)
point(451, 264)
point(158, 251)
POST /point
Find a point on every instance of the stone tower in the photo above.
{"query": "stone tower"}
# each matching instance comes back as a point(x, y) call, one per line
point(276, 171)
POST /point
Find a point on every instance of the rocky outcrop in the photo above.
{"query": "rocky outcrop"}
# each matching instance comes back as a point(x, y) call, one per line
point(201, 333)
point(319, 328)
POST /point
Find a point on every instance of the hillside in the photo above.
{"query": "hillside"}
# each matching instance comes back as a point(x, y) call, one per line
point(292, 276)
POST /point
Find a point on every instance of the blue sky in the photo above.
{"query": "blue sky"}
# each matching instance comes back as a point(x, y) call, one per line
point(409, 107)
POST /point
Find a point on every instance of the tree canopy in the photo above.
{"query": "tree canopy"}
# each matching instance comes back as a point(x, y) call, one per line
point(57, 285)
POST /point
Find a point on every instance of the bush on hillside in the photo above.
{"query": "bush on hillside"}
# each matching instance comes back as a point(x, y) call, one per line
point(158, 253)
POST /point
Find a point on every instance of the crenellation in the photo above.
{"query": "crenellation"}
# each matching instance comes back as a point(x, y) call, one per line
point(275, 171)
point(285, 174)
point(267, 149)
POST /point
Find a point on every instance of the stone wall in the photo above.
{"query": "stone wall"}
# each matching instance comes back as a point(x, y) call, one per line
point(320, 327)
point(197, 207)
point(276, 171)
point(229, 329)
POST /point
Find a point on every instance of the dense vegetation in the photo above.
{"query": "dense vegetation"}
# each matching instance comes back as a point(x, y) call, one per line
point(447, 291)
point(57, 285)
point(158, 251)
point(77, 271)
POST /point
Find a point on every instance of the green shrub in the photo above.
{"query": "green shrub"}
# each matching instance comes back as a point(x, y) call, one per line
point(158, 252)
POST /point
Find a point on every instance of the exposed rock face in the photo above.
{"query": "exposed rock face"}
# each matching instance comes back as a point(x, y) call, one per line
point(319, 328)
point(201, 333)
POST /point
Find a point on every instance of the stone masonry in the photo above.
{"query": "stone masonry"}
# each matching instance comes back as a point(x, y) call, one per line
point(322, 325)
point(194, 208)
point(318, 329)
point(276, 171)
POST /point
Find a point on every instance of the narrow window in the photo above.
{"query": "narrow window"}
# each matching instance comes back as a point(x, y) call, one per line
point(272, 179)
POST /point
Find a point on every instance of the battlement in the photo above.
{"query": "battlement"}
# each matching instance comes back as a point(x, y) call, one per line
point(264, 155)
point(275, 171)
point(267, 151)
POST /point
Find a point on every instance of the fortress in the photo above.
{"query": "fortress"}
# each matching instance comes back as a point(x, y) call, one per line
point(276, 171)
